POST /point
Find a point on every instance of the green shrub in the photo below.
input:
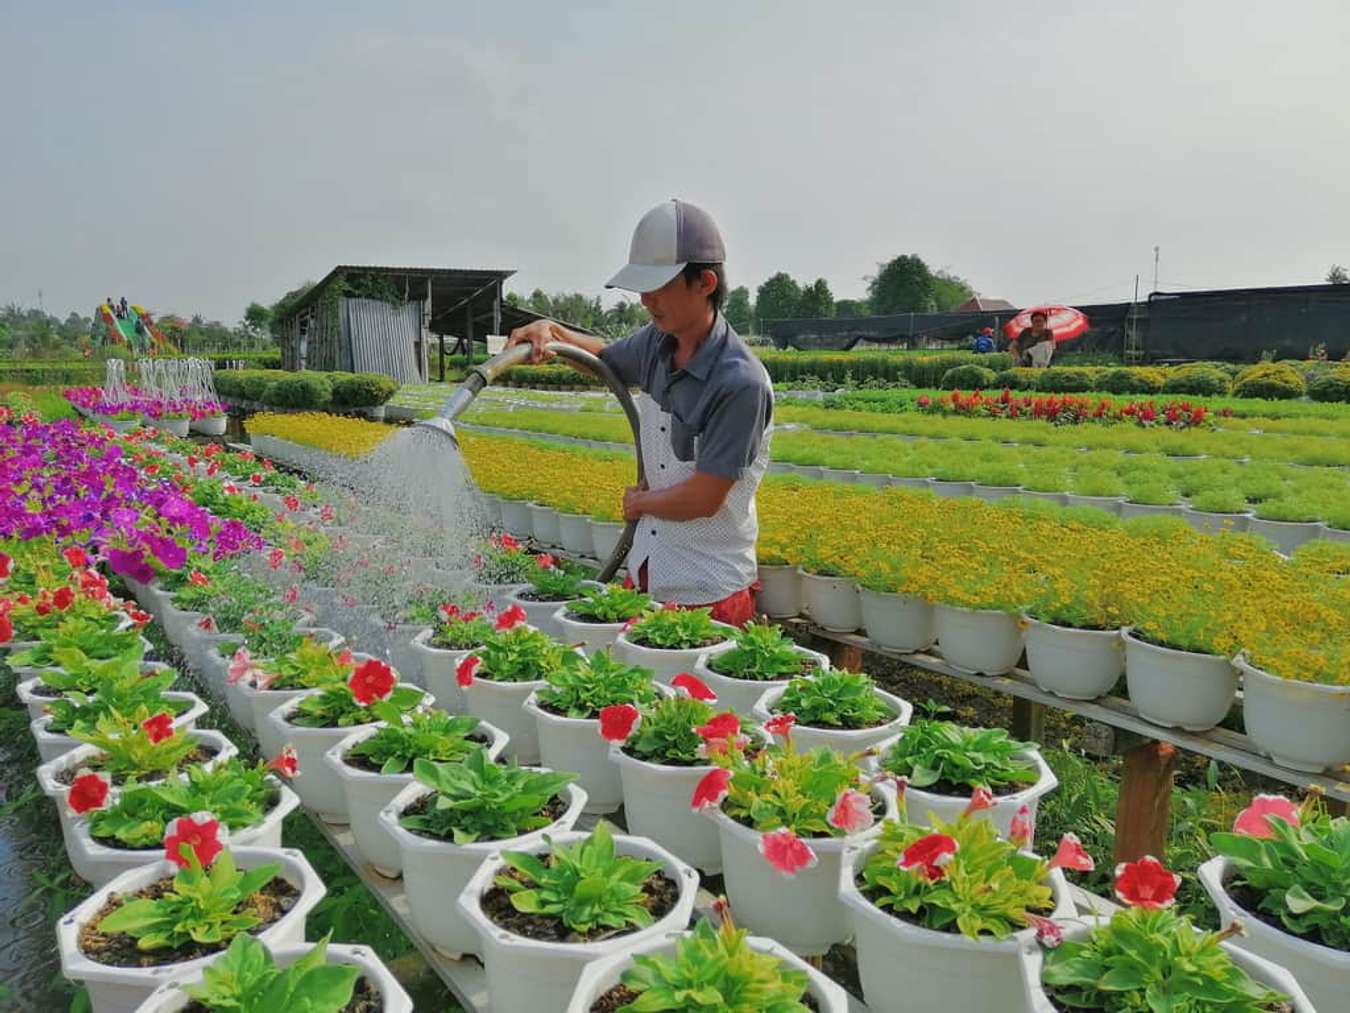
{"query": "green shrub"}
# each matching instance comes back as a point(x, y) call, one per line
point(297, 390)
point(1196, 379)
point(1332, 385)
point(1017, 379)
point(1131, 380)
point(1272, 380)
point(361, 390)
point(968, 377)
point(1065, 380)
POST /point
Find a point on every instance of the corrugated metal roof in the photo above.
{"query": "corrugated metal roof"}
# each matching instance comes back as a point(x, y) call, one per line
point(450, 285)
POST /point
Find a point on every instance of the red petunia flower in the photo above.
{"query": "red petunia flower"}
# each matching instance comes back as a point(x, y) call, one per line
point(291, 595)
point(780, 725)
point(291, 502)
point(465, 669)
point(512, 617)
point(1022, 827)
point(206, 623)
point(200, 833)
point(980, 798)
point(617, 721)
point(1255, 820)
point(711, 789)
point(6, 628)
point(275, 557)
point(545, 561)
point(1146, 883)
point(76, 557)
point(693, 686)
point(373, 680)
point(6, 565)
point(63, 598)
point(786, 852)
point(198, 578)
point(88, 791)
point(508, 542)
point(256, 478)
point(159, 727)
point(722, 726)
point(928, 856)
point(851, 812)
point(139, 617)
point(1071, 855)
point(286, 763)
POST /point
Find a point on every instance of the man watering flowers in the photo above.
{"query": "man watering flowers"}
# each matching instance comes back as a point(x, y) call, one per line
point(705, 416)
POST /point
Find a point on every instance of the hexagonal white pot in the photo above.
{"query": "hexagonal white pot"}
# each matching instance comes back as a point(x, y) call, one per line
point(1111, 504)
point(983, 641)
point(367, 793)
point(1320, 970)
point(803, 912)
point(1334, 534)
point(921, 805)
point(831, 601)
point(1178, 689)
point(898, 622)
point(1074, 664)
point(249, 705)
point(741, 695)
point(666, 664)
point(98, 863)
point(73, 759)
point(209, 425)
point(438, 672)
point(516, 518)
point(656, 805)
point(317, 785)
point(177, 622)
point(35, 702)
point(601, 975)
point(123, 989)
point(544, 524)
point(574, 533)
point(805, 738)
point(780, 591)
point(529, 974)
point(492, 507)
point(904, 966)
point(435, 872)
point(52, 744)
point(404, 658)
point(497, 594)
point(1209, 523)
point(1302, 725)
point(605, 536)
point(170, 997)
point(590, 637)
point(502, 704)
point(543, 615)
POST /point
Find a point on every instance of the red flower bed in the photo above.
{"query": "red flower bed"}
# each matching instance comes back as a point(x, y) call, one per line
point(1066, 409)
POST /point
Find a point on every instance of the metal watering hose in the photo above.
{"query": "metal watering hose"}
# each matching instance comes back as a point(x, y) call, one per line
point(482, 375)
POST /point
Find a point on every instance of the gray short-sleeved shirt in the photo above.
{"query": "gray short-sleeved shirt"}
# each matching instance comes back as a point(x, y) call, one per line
point(720, 403)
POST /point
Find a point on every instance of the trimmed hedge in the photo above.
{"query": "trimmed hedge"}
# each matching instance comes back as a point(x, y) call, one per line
point(1197, 379)
point(361, 390)
point(306, 388)
point(968, 377)
point(1272, 380)
point(1065, 379)
point(1131, 380)
point(298, 390)
point(1333, 385)
point(846, 368)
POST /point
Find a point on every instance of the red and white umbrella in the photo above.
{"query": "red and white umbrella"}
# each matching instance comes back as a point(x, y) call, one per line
point(1064, 322)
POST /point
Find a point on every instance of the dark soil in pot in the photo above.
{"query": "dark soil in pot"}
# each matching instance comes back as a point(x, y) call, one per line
point(201, 754)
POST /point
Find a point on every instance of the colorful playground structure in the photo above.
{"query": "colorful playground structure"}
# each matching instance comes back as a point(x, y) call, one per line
point(136, 329)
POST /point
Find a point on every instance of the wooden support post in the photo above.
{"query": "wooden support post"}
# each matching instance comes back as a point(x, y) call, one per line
point(1028, 720)
point(441, 338)
point(1145, 795)
point(468, 333)
point(846, 656)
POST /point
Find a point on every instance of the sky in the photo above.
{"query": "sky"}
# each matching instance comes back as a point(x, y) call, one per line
point(196, 156)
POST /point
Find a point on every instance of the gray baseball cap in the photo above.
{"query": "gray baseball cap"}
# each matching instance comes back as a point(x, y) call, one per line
point(669, 236)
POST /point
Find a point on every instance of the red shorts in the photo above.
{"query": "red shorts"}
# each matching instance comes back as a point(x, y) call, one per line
point(734, 610)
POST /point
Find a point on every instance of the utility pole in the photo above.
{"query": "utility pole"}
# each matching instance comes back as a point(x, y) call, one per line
point(1155, 268)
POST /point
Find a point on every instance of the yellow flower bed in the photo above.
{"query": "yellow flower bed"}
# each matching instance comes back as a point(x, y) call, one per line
point(1221, 593)
point(336, 434)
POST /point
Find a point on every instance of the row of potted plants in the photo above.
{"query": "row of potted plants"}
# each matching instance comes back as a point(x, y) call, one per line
point(171, 415)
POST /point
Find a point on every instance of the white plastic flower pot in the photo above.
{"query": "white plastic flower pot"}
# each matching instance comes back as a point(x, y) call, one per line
point(209, 425)
point(590, 637)
point(1129, 511)
point(400, 652)
point(741, 695)
point(780, 591)
point(1321, 971)
point(1178, 689)
point(922, 806)
point(177, 622)
point(530, 974)
point(35, 702)
point(897, 622)
point(502, 704)
point(1301, 725)
point(1209, 523)
point(803, 911)
point(605, 537)
point(1075, 664)
point(170, 997)
point(656, 804)
point(542, 615)
point(994, 493)
point(1111, 504)
point(1285, 535)
point(903, 966)
point(123, 989)
point(840, 474)
point(575, 744)
point(100, 863)
point(368, 792)
point(1272, 975)
point(498, 594)
point(806, 738)
point(174, 427)
point(832, 602)
point(438, 672)
point(50, 745)
point(983, 641)
point(74, 759)
point(435, 872)
point(602, 975)
point(574, 534)
point(666, 663)
point(544, 524)
point(516, 518)
point(951, 489)
point(317, 784)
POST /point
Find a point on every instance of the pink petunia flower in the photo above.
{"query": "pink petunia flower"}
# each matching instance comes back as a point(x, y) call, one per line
point(851, 812)
point(711, 789)
point(1049, 933)
point(980, 798)
point(786, 852)
point(286, 763)
point(1072, 855)
point(1022, 828)
point(928, 856)
point(1255, 820)
point(241, 667)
